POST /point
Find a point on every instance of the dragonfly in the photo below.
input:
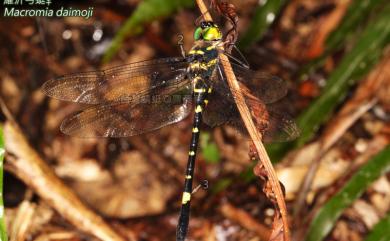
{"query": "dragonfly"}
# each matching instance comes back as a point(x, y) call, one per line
point(140, 97)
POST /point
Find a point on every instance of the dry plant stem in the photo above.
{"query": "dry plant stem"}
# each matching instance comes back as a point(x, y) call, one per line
point(30, 168)
point(57, 235)
point(22, 222)
point(245, 220)
point(375, 146)
point(250, 126)
point(324, 27)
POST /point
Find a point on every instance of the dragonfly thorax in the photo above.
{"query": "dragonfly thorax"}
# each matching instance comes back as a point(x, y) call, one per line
point(202, 59)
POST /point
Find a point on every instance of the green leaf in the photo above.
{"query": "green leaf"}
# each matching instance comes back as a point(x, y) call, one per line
point(380, 232)
point(354, 66)
point(3, 234)
point(264, 16)
point(326, 217)
point(209, 149)
point(147, 11)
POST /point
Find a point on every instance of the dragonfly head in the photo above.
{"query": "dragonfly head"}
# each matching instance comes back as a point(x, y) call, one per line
point(208, 31)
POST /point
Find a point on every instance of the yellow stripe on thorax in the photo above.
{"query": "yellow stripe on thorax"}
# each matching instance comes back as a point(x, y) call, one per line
point(211, 62)
point(202, 90)
point(196, 51)
point(198, 65)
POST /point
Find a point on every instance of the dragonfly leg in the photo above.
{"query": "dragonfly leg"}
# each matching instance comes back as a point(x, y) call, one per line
point(182, 227)
point(244, 63)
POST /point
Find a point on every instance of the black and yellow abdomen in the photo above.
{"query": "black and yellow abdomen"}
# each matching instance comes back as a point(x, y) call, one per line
point(202, 62)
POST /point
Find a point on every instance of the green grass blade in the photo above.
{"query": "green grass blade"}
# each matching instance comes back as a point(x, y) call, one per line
point(380, 232)
point(352, 67)
point(146, 11)
point(326, 217)
point(353, 19)
point(3, 234)
point(355, 15)
point(264, 16)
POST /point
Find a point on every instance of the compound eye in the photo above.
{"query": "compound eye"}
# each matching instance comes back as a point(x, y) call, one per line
point(198, 33)
point(203, 24)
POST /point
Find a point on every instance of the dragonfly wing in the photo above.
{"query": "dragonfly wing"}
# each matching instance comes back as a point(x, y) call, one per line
point(117, 84)
point(219, 109)
point(275, 126)
point(122, 119)
point(266, 87)
point(281, 127)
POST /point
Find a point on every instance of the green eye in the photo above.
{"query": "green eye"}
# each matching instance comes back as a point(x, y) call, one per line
point(212, 34)
point(198, 33)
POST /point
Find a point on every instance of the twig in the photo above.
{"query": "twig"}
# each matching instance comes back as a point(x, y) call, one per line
point(30, 168)
point(245, 220)
point(250, 126)
point(22, 221)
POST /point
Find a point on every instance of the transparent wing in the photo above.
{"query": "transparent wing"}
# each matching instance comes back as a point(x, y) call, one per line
point(274, 125)
point(117, 84)
point(266, 87)
point(122, 119)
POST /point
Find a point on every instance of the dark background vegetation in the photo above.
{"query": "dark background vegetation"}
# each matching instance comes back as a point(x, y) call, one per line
point(335, 60)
